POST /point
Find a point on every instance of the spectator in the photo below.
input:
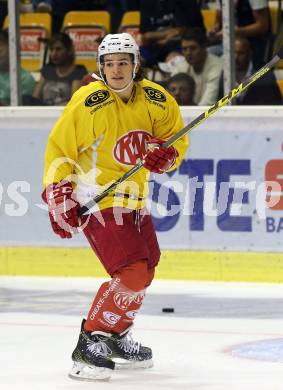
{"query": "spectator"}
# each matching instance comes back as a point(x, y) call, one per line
point(163, 70)
point(43, 6)
point(25, 6)
point(203, 67)
point(171, 61)
point(59, 9)
point(162, 24)
point(28, 6)
point(3, 11)
point(264, 91)
point(115, 7)
point(253, 21)
point(26, 79)
point(182, 88)
point(61, 78)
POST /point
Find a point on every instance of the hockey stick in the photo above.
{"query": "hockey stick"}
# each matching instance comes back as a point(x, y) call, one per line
point(197, 121)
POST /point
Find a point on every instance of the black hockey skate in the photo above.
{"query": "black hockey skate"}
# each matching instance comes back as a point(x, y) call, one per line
point(127, 353)
point(91, 357)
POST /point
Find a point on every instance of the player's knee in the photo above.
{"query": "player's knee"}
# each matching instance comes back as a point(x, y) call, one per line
point(134, 276)
point(150, 276)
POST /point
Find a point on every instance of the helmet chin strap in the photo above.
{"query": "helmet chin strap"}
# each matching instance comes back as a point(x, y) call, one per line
point(114, 89)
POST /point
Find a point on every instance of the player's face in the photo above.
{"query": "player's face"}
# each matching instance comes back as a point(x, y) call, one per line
point(118, 69)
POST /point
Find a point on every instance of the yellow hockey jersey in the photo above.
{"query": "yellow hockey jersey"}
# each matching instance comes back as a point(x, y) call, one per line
point(99, 137)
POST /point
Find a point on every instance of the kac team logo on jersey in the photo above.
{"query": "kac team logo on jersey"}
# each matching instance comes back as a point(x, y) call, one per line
point(140, 297)
point(130, 148)
point(123, 299)
point(155, 94)
point(96, 98)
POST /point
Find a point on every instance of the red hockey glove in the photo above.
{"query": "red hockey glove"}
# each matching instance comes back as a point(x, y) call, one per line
point(159, 159)
point(62, 208)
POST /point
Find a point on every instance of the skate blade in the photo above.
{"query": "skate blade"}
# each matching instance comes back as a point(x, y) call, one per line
point(87, 373)
point(122, 364)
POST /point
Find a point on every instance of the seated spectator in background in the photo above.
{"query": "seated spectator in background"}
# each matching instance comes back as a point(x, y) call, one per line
point(26, 79)
point(182, 87)
point(162, 24)
point(42, 6)
point(3, 11)
point(203, 67)
point(61, 78)
point(116, 8)
point(28, 6)
point(264, 91)
point(60, 8)
point(163, 70)
point(252, 21)
point(171, 61)
point(25, 6)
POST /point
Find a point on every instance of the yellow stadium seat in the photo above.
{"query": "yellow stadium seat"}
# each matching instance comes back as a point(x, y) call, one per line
point(209, 17)
point(131, 18)
point(131, 24)
point(34, 28)
point(280, 85)
point(274, 19)
point(86, 29)
point(274, 22)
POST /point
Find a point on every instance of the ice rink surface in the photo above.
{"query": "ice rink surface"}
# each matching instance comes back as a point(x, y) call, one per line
point(222, 336)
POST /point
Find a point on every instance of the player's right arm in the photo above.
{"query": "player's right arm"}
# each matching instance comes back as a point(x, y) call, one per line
point(72, 133)
point(65, 141)
point(62, 150)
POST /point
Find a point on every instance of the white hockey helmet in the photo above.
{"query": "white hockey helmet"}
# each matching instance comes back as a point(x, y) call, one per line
point(118, 43)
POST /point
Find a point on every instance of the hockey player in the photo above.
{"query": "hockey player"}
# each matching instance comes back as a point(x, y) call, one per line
point(107, 127)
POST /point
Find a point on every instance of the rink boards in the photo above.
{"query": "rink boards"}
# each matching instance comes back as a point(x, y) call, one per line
point(179, 265)
point(215, 216)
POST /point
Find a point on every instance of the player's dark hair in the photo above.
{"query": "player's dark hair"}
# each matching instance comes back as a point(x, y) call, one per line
point(140, 75)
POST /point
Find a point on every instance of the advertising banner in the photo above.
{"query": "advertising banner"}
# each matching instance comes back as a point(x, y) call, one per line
point(226, 194)
point(86, 40)
point(32, 46)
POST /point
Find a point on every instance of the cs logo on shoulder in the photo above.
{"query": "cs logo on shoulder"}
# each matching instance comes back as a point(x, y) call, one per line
point(96, 98)
point(155, 94)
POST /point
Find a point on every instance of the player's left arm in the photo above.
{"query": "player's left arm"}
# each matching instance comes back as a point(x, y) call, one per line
point(168, 125)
